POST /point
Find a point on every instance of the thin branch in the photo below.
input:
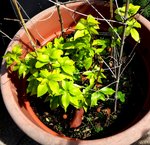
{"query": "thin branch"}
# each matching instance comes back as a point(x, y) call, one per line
point(120, 55)
point(5, 35)
point(24, 25)
point(109, 68)
point(111, 10)
point(127, 64)
point(15, 20)
point(33, 20)
point(116, 2)
point(82, 14)
point(60, 18)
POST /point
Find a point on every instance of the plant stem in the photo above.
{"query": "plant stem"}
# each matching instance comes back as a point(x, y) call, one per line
point(111, 9)
point(24, 25)
point(5, 35)
point(120, 55)
point(60, 18)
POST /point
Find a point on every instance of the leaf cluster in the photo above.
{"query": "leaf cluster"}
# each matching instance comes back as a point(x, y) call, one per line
point(68, 71)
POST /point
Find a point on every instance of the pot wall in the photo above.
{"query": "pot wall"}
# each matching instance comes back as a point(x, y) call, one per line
point(44, 27)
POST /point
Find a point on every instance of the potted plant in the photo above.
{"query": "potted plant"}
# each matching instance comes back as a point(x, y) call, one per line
point(75, 61)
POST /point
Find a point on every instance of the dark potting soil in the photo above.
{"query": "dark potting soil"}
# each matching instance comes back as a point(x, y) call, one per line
point(99, 121)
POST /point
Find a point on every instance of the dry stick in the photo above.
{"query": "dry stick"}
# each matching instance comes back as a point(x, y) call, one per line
point(24, 25)
point(60, 17)
point(82, 14)
point(111, 9)
point(15, 20)
point(120, 55)
point(5, 35)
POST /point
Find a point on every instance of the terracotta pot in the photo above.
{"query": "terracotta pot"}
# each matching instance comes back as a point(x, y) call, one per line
point(44, 27)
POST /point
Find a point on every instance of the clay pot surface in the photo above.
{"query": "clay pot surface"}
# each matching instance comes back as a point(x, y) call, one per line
point(44, 27)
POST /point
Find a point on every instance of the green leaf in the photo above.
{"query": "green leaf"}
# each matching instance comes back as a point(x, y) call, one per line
point(55, 53)
point(69, 45)
point(128, 30)
point(93, 31)
point(95, 97)
point(65, 100)
point(43, 57)
point(17, 49)
point(99, 42)
point(49, 45)
point(58, 42)
point(107, 91)
point(91, 20)
point(67, 65)
point(66, 84)
point(75, 102)
point(78, 34)
point(55, 76)
point(54, 86)
point(87, 63)
point(54, 102)
point(42, 89)
point(133, 9)
point(137, 25)
point(23, 69)
point(75, 91)
point(135, 35)
point(32, 87)
point(68, 69)
point(121, 96)
point(39, 64)
point(81, 24)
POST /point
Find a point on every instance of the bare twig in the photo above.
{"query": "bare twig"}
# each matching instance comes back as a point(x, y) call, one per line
point(15, 20)
point(109, 68)
point(127, 64)
point(82, 14)
point(120, 55)
point(5, 35)
point(24, 25)
point(60, 17)
point(111, 9)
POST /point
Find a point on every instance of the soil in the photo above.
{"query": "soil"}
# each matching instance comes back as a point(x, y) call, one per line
point(99, 121)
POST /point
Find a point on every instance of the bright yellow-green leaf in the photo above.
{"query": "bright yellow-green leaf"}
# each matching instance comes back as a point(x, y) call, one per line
point(95, 97)
point(87, 63)
point(80, 25)
point(107, 91)
point(43, 57)
point(65, 100)
point(135, 35)
point(92, 20)
point(54, 86)
point(39, 64)
point(78, 34)
point(42, 89)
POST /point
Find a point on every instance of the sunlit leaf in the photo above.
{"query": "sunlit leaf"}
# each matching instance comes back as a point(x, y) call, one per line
point(78, 34)
point(54, 86)
point(87, 63)
point(135, 35)
point(107, 91)
point(42, 89)
point(65, 100)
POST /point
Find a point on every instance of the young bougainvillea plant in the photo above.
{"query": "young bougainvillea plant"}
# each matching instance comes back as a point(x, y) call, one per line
point(71, 70)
